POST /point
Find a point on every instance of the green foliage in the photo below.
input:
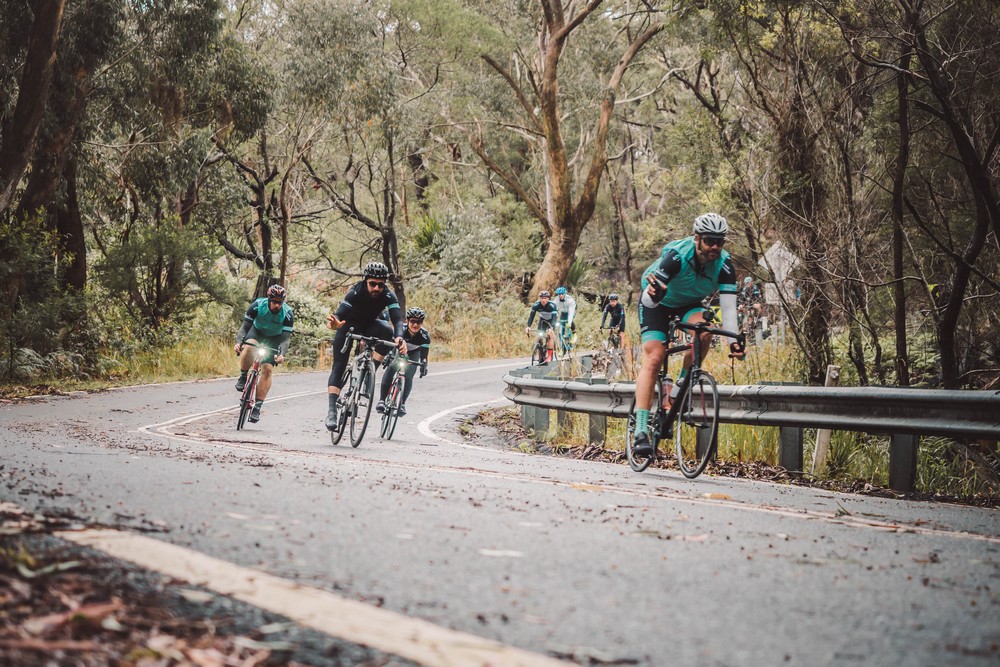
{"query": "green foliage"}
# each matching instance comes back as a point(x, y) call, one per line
point(428, 239)
point(36, 314)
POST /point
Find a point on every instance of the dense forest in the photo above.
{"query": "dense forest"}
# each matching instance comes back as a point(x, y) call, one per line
point(160, 157)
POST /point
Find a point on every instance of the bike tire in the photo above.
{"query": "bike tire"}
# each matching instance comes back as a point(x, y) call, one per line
point(364, 398)
point(247, 400)
point(697, 427)
point(345, 406)
point(396, 396)
point(638, 463)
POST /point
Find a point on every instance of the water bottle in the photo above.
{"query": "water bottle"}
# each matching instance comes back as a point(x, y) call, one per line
point(665, 387)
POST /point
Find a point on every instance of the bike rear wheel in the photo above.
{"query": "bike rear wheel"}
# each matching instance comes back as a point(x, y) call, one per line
point(247, 400)
point(640, 463)
point(395, 399)
point(363, 400)
point(697, 427)
point(346, 401)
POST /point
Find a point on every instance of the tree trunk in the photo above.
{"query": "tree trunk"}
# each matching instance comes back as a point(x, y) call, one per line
point(69, 224)
point(898, 183)
point(18, 137)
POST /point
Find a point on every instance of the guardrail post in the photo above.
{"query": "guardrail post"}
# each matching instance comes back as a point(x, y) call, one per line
point(903, 462)
point(598, 423)
point(790, 448)
point(541, 424)
point(562, 421)
point(528, 416)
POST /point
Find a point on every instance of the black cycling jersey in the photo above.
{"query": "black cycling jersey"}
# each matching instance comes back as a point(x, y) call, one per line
point(360, 309)
point(546, 314)
point(617, 314)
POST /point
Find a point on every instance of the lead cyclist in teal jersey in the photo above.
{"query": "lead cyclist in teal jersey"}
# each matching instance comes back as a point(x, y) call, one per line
point(673, 286)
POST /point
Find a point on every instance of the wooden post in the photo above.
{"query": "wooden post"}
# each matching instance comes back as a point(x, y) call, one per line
point(823, 434)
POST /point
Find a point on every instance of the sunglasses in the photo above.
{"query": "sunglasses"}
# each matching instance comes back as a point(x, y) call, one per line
point(374, 284)
point(411, 321)
point(716, 241)
point(277, 301)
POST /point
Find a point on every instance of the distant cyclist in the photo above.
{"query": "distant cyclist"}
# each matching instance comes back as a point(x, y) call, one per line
point(418, 345)
point(566, 305)
point(674, 286)
point(268, 321)
point(360, 311)
point(547, 314)
point(616, 312)
point(749, 302)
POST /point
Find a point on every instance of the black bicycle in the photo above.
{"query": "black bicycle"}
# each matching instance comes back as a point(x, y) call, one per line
point(692, 418)
point(540, 349)
point(249, 395)
point(394, 398)
point(357, 392)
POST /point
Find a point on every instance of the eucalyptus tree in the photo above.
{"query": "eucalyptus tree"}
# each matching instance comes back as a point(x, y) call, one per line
point(178, 86)
point(550, 47)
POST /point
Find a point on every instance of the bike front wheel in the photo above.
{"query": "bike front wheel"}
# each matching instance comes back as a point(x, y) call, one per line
point(697, 427)
point(640, 463)
point(394, 400)
point(363, 400)
point(247, 400)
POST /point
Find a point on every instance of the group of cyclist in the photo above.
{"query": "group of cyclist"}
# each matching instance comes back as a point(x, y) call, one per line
point(672, 288)
point(370, 308)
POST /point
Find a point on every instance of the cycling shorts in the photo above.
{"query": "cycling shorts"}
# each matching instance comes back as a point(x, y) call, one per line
point(654, 323)
point(269, 341)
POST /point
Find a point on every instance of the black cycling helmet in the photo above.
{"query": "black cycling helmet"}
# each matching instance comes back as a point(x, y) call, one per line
point(376, 270)
point(415, 314)
point(277, 292)
point(612, 297)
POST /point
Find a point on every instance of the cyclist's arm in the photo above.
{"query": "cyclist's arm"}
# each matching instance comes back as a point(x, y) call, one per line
point(621, 322)
point(727, 295)
point(604, 317)
point(396, 317)
point(531, 315)
point(248, 318)
point(286, 333)
point(663, 271)
point(571, 307)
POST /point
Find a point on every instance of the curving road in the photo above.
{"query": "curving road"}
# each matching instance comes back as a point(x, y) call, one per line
point(555, 558)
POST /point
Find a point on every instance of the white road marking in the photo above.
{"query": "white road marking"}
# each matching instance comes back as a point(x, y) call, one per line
point(354, 621)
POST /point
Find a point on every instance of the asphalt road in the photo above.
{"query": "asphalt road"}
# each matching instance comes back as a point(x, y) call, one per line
point(573, 559)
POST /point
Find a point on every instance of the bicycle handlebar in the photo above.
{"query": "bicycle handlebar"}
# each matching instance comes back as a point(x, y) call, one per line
point(371, 340)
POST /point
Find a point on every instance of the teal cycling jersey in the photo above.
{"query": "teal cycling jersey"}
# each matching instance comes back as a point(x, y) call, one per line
point(268, 323)
point(687, 280)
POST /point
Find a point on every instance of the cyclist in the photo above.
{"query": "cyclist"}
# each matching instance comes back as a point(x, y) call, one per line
point(747, 299)
point(616, 312)
point(547, 314)
point(268, 321)
point(567, 311)
point(673, 286)
point(418, 345)
point(360, 311)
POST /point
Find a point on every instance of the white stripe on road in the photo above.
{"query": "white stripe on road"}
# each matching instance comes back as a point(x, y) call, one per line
point(356, 622)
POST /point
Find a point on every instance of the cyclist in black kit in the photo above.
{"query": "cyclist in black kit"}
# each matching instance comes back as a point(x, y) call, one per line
point(617, 313)
point(418, 345)
point(360, 311)
point(547, 314)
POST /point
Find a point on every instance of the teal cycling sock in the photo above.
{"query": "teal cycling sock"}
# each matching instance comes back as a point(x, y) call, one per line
point(641, 421)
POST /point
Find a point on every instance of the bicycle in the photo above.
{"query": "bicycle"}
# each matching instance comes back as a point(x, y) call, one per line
point(564, 344)
point(249, 395)
point(394, 398)
point(358, 390)
point(540, 349)
point(692, 418)
point(611, 352)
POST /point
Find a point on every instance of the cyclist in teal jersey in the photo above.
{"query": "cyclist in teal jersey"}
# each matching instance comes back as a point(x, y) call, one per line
point(674, 286)
point(547, 315)
point(268, 321)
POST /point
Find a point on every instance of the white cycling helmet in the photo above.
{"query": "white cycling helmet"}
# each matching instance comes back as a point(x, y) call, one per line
point(711, 224)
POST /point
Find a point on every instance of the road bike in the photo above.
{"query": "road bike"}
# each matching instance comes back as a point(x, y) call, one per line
point(564, 342)
point(394, 398)
point(540, 348)
point(612, 353)
point(692, 418)
point(357, 394)
point(249, 395)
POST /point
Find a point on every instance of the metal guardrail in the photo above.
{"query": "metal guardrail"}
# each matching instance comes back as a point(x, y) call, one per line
point(905, 414)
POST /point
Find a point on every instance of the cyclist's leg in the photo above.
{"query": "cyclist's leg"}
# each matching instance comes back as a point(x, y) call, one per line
point(692, 315)
point(411, 371)
point(246, 355)
point(654, 324)
point(336, 380)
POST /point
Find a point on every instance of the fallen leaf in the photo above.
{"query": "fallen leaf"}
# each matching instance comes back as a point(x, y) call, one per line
point(718, 496)
point(192, 595)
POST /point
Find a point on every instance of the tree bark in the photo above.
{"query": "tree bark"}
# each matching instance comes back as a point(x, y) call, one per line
point(33, 91)
point(898, 183)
